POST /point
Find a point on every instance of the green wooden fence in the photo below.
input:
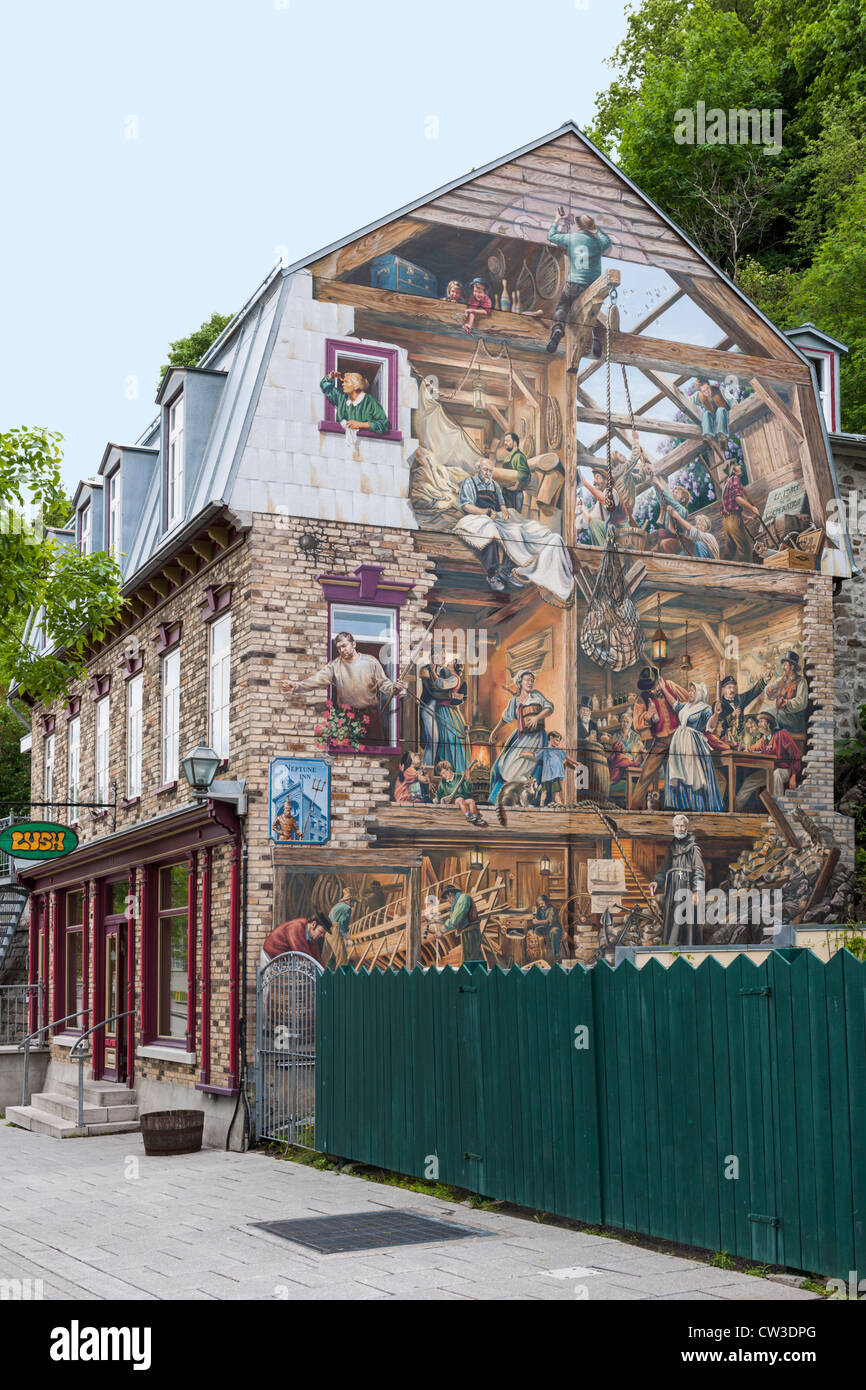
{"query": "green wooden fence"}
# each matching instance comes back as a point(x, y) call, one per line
point(720, 1107)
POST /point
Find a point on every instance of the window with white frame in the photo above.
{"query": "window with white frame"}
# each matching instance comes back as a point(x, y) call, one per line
point(114, 516)
point(73, 765)
point(102, 771)
point(134, 698)
point(48, 778)
point(170, 716)
point(220, 670)
point(373, 632)
point(85, 530)
point(174, 507)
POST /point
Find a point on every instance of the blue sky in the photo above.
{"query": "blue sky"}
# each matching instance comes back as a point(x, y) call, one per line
point(157, 157)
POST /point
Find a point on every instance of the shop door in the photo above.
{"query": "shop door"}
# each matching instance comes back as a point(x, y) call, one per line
point(114, 987)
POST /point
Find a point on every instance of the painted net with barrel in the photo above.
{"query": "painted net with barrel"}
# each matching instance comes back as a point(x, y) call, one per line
point(612, 635)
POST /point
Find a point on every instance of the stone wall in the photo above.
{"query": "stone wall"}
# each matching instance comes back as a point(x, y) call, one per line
point(850, 604)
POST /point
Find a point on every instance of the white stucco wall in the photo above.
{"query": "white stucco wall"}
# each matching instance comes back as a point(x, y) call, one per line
point(288, 464)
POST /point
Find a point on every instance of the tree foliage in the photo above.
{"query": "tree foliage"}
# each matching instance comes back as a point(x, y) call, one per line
point(187, 352)
point(79, 595)
point(788, 226)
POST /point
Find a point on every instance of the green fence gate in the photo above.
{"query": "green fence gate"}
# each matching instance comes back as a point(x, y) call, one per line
point(720, 1107)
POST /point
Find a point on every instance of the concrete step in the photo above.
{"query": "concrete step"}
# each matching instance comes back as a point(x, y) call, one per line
point(114, 1127)
point(40, 1121)
point(58, 1127)
point(67, 1106)
point(97, 1092)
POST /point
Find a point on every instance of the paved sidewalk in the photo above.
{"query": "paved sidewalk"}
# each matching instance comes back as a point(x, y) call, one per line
point(96, 1219)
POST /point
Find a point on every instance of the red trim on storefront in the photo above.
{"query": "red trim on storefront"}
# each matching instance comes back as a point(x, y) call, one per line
point(130, 979)
point(191, 993)
point(234, 957)
point(58, 992)
point(206, 890)
point(98, 1065)
point(85, 954)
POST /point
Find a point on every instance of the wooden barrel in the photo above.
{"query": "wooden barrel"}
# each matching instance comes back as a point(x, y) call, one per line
point(632, 538)
point(172, 1131)
point(593, 756)
point(514, 946)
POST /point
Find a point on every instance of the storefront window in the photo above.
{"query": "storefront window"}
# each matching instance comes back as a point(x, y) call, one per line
point(172, 951)
point(74, 958)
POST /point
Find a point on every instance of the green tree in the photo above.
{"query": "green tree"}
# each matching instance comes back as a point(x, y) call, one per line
point(78, 595)
point(187, 352)
point(14, 765)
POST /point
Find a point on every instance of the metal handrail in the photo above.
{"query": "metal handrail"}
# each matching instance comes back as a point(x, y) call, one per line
point(81, 1056)
point(25, 1043)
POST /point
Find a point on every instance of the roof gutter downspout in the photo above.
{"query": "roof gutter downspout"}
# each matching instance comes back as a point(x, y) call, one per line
point(18, 715)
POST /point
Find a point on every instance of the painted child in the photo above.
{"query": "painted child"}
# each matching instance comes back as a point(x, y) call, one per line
point(413, 784)
point(457, 789)
point(479, 304)
point(554, 761)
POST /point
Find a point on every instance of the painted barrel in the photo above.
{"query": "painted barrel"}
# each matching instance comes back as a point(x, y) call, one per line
point(592, 754)
point(632, 538)
point(514, 946)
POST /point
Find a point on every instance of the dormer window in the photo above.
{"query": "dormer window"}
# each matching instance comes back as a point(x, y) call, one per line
point(174, 506)
point(114, 516)
point(85, 530)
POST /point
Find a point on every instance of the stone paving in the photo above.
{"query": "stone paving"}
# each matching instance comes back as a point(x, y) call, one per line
point(97, 1219)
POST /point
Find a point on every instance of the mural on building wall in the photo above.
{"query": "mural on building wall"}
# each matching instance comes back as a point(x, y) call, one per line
point(576, 372)
point(299, 799)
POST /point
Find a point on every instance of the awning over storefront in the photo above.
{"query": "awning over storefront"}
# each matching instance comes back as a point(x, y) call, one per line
point(189, 827)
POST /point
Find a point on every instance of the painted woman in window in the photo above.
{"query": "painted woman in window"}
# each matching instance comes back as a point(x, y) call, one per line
point(528, 709)
point(443, 729)
point(354, 406)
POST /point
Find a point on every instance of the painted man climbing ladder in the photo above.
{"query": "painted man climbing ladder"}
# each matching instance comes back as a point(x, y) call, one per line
point(585, 249)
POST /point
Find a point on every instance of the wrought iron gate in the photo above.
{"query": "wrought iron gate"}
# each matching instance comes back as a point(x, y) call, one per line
point(286, 1049)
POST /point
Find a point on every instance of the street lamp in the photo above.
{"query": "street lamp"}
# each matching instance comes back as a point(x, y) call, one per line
point(200, 767)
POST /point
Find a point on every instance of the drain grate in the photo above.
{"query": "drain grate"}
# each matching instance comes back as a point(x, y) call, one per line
point(366, 1230)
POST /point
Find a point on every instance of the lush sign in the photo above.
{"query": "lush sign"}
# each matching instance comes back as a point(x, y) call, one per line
point(37, 840)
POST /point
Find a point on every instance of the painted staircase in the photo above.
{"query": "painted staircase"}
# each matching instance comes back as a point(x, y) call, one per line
point(109, 1108)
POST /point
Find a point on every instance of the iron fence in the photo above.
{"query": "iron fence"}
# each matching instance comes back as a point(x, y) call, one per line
point(16, 1011)
point(286, 1049)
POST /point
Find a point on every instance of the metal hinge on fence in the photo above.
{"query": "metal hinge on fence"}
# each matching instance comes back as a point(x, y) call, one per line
point(477, 1157)
point(467, 989)
point(764, 1220)
point(765, 990)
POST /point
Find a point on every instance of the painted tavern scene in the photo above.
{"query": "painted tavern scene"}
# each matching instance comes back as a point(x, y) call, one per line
point(485, 555)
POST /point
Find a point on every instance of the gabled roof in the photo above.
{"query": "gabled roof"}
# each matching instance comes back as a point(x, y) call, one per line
point(816, 333)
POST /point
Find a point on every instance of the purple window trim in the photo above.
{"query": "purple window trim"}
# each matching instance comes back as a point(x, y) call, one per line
point(367, 586)
point(73, 707)
point(167, 787)
point(333, 348)
point(216, 1090)
point(132, 801)
point(100, 686)
point(217, 600)
point(48, 723)
point(132, 665)
point(167, 637)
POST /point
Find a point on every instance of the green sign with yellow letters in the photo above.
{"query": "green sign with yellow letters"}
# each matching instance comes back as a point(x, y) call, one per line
point(37, 839)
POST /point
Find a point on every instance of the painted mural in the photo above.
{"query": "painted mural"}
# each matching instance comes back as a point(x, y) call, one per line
point(599, 426)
